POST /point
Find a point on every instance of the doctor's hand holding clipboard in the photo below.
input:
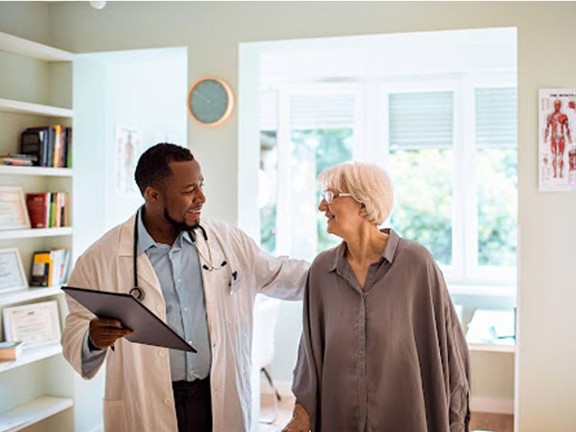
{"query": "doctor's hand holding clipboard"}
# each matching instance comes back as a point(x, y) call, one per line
point(105, 331)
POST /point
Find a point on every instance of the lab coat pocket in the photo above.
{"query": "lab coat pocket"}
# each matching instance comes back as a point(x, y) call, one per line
point(115, 416)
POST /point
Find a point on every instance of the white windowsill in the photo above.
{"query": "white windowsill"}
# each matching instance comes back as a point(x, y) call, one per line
point(483, 290)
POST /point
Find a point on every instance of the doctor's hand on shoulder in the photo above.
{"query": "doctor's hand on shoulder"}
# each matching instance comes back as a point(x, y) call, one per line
point(104, 332)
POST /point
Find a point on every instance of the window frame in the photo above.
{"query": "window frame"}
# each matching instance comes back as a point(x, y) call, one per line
point(284, 128)
point(464, 275)
point(370, 143)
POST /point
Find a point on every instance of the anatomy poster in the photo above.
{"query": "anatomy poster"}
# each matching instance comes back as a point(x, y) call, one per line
point(128, 149)
point(557, 134)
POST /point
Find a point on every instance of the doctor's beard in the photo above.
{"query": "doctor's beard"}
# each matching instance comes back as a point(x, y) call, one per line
point(180, 226)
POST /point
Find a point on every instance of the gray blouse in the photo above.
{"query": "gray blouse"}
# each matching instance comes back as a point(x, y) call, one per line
point(391, 357)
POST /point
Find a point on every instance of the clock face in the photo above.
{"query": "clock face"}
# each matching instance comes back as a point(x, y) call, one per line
point(210, 101)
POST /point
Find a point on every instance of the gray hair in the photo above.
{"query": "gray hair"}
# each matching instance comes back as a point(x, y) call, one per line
point(367, 182)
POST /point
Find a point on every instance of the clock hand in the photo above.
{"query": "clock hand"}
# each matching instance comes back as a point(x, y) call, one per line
point(197, 93)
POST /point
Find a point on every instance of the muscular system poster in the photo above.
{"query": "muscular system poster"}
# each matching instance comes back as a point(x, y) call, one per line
point(557, 134)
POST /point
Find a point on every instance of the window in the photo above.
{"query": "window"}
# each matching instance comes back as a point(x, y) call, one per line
point(421, 159)
point(449, 143)
point(452, 155)
point(311, 130)
point(496, 174)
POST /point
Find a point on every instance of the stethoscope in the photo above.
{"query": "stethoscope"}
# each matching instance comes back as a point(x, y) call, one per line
point(207, 265)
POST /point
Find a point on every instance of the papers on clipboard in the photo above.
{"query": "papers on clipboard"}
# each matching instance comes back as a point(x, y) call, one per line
point(147, 327)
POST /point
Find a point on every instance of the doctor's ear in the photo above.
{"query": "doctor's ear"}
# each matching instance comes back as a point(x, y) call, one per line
point(151, 194)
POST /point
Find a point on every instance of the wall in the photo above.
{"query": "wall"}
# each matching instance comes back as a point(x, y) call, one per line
point(212, 32)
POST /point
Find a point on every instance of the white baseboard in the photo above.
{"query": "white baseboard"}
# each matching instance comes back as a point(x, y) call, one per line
point(478, 404)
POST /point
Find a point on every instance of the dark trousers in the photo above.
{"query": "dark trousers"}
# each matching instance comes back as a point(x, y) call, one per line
point(193, 405)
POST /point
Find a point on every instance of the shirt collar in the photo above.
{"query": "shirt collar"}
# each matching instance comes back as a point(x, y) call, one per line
point(388, 253)
point(145, 240)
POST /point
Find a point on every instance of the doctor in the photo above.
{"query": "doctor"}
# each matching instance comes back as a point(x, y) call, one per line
point(200, 276)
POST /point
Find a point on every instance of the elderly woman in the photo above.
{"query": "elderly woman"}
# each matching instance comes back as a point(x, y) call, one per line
point(382, 348)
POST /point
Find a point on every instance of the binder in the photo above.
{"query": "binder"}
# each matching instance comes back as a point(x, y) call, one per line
point(147, 327)
point(42, 269)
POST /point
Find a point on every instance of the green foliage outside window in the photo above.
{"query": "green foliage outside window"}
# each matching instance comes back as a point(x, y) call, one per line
point(268, 227)
point(422, 181)
point(332, 146)
point(497, 206)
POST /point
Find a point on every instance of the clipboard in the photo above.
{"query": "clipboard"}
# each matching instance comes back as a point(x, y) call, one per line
point(147, 327)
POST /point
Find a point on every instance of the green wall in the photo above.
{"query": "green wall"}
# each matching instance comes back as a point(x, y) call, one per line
point(211, 31)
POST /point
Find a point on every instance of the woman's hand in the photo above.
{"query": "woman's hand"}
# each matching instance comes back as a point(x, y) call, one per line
point(300, 421)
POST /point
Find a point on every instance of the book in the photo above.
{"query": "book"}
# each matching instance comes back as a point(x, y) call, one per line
point(18, 159)
point(66, 210)
point(50, 268)
point(42, 269)
point(36, 142)
point(38, 205)
point(52, 222)
point(58, 155)
point(10, 350)
point(68, 147)
point(51, 145)
point(60, 260)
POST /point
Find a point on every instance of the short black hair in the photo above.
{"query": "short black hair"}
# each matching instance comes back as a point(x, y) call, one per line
point(154, 164)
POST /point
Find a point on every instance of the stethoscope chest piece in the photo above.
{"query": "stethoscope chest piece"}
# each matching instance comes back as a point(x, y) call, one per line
point(137, 293)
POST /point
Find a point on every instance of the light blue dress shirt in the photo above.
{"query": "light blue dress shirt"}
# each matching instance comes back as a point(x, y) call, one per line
point(178, 270)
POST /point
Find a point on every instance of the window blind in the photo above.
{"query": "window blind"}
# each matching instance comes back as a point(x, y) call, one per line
point(496, 117)
point(268, 110)
point(309, 111)
point(321, 111)
point(422, 119)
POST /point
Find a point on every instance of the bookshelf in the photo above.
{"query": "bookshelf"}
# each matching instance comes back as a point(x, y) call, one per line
point(19, 107)
point(35, 171)
point(33, 412)
point(41, 383)
point(36, 233)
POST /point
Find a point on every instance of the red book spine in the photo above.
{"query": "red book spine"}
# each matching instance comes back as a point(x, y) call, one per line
point(38, 205)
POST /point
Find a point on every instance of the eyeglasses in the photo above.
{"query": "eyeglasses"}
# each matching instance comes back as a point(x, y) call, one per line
point(329, 196)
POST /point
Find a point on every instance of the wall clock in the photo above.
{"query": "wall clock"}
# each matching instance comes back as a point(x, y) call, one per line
point(210, 101)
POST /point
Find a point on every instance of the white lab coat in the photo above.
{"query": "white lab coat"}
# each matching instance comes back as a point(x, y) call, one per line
point(138, 395)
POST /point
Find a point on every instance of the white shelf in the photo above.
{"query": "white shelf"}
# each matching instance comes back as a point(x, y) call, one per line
point(9, 105)
point(35, 171)
point(31, 355)
point(31, 49)
point(32, 412)
point(492, 348)
point(28, 294)
point(35, 233)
